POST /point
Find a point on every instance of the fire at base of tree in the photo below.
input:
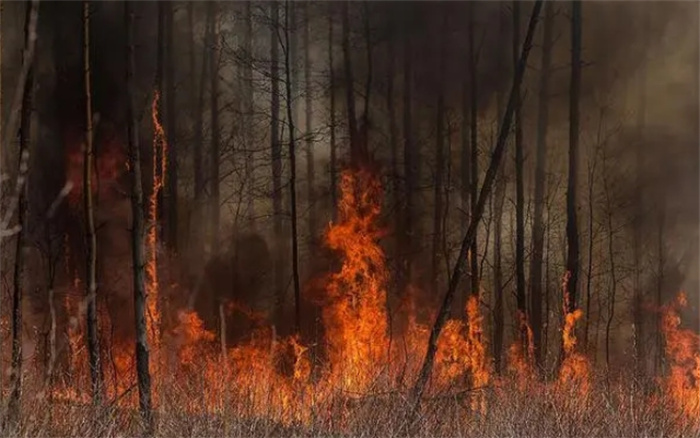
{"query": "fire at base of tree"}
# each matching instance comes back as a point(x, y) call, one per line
point(344, 218)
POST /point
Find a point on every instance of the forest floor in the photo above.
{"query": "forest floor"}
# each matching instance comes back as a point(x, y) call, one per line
point(505, 409)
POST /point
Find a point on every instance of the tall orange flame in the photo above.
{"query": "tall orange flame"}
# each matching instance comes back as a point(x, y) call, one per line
point(575, 368)
point(682, 348)
point(153, 317)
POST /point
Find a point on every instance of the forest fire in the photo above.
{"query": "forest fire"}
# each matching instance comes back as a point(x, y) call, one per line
point(349, 219)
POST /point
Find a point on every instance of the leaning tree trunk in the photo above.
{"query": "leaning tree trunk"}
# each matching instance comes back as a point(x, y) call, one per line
point(90, 232)
point(572, 238)
point(540, 181)
point(293, 174)
point(138, 233)
point(470, 235)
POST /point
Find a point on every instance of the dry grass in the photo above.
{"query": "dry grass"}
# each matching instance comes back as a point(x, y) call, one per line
point(540, 410)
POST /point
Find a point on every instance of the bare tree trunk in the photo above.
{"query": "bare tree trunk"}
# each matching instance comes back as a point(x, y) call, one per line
point(357, 149)
point(589, 271)
point(171, 126)
point(214, 206)
point(276, 155)
point(470, 235)
point(638, 212)
point(572, 238)
point(465, 156)
point(540, 182)
point(409, 176)
point(439, 165)
point(13, 410)
point(333, 146)
point(249, 108)
point(138, 233)
point(498, 201)
point(613, 271)
point(393, 132)
point(159, 208)
point(521, 299)
point(660, 267)
point(198, 161)
point(364, 130)
point(474, 161)
point(293, 174)
point(91, 236)
point(308, 103)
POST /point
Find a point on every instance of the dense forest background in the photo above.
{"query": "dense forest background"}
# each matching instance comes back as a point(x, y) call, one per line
point(264, 109)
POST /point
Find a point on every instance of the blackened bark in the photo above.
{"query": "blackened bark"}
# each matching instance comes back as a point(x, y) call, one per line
point(334, 153)
point(439, 164)
point(540, 181)
point(90, 232)
point(138, 234)
point(308, 104)
point(171, 176)
point(572, 238)
point(474, 159)
point(276, 155)
point(519, 192)
point(214, 214)
point(292, 174)
point(20, 244)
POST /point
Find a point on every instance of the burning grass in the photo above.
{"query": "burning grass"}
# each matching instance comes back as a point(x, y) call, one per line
point(270, 385)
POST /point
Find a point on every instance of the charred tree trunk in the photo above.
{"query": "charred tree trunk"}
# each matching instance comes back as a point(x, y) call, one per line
point(308, 104)
point(470, 235)
point(519, 194)
point(572, 238)
point(357, 149)
point(499, 199)
point(393, 132)
point(409, 174)
point(215, 133)
point(439, 164)
point(158, 221)
point(248, 109)
point(612, 293)
point(364, 129)
point(465, 156)
point(171, 180)
point(90, 232)
point(474, 159)
point(638, 214)
point(18, 285)
point(293, 174)
point(276, 154)
point(540, 181)
point(334, 153)
point(198, 161)
point(138, 233)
